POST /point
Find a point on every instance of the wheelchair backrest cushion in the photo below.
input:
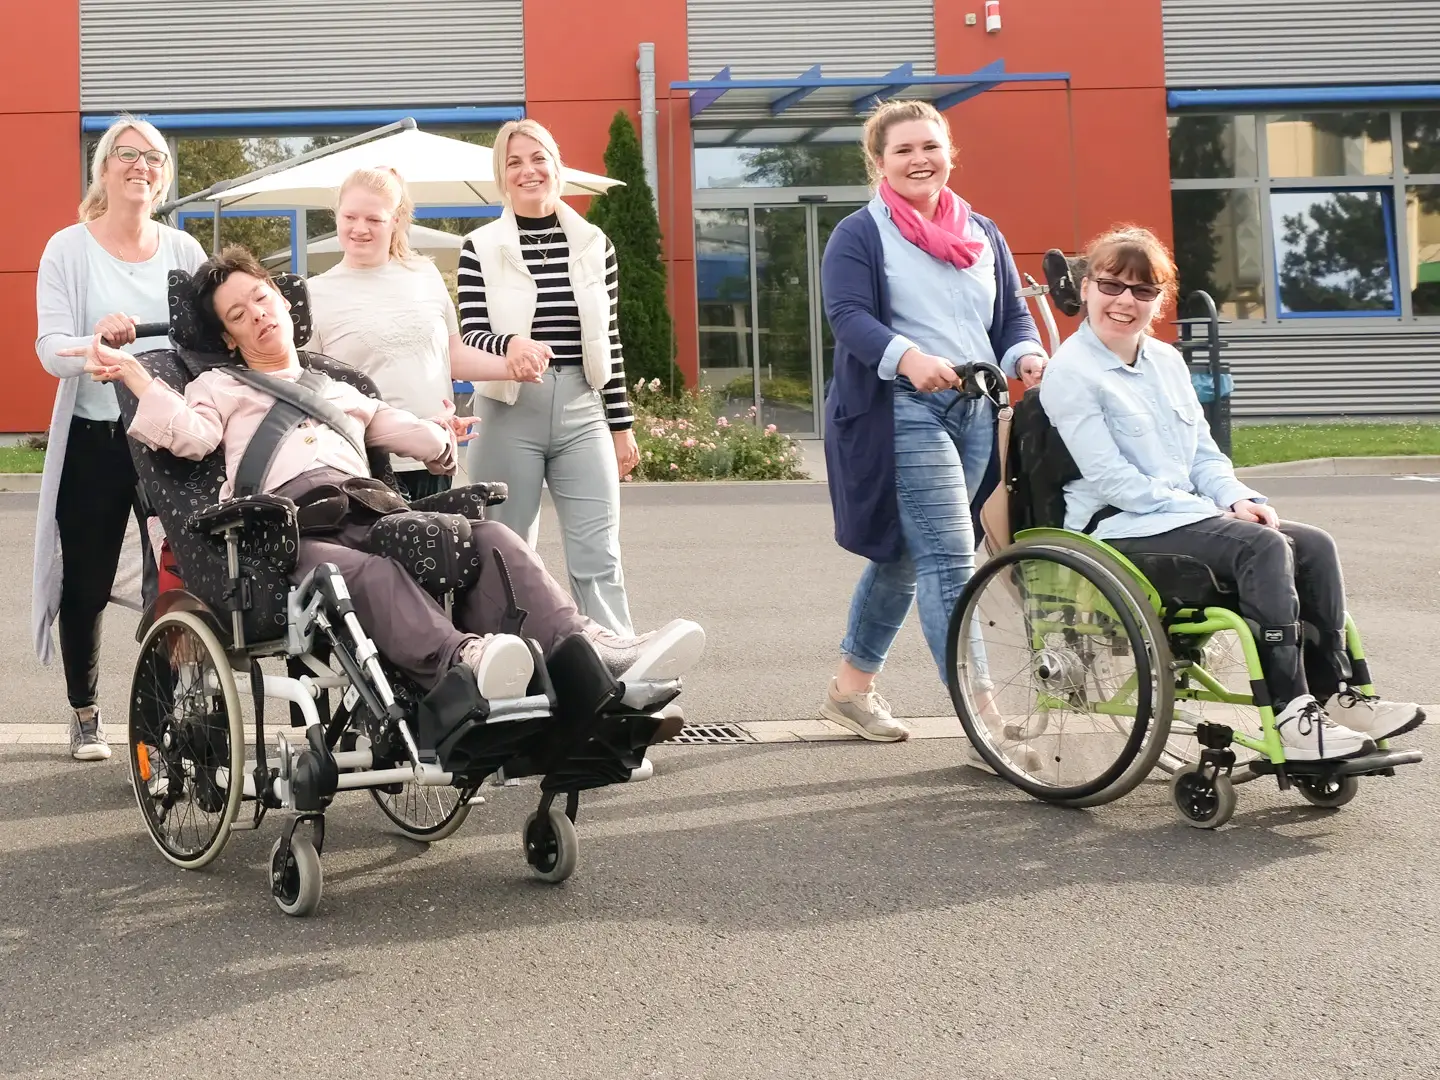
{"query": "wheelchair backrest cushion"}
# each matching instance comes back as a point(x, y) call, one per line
point(1038, 467)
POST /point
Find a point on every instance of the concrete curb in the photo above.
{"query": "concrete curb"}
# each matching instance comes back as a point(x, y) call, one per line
point(1348, 466)
point(20, 481)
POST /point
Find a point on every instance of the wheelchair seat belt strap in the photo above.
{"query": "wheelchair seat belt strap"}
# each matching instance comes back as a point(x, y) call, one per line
point(284, 416)
point(294, 402)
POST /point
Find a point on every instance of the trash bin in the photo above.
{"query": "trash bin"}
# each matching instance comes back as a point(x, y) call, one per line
point(1217, 412)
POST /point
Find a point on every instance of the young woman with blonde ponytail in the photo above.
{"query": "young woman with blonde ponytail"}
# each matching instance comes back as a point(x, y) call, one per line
point(385, 310)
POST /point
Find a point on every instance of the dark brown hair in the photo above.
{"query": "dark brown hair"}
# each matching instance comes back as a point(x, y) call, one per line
point(213, 273)
point(1133, 250)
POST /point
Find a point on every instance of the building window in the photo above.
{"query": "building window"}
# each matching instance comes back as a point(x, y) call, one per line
point(1291, 216)
point(1333, 252)
point(780, 166)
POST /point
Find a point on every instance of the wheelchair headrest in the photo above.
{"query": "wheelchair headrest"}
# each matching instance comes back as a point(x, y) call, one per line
point(188, 331)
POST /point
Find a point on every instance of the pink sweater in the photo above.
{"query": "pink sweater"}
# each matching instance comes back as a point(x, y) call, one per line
point(219, 410)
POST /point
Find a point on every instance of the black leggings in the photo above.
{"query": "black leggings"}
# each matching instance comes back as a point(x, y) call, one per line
point(98, 493)
point(1283, 577)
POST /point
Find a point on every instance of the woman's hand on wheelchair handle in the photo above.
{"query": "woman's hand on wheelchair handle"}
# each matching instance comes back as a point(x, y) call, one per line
point(928, 373)
point(117, 329)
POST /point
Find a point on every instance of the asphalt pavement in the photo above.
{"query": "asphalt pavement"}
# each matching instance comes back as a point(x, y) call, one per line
point(799, 909)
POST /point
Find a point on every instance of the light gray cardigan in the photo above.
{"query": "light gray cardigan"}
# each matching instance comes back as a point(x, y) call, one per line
point(60, 312)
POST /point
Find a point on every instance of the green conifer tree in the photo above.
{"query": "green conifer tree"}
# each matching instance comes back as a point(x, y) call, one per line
point(627, 216)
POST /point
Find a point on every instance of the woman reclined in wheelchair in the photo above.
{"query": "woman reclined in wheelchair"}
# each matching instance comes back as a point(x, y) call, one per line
point(1153, 484)
point(323, 468)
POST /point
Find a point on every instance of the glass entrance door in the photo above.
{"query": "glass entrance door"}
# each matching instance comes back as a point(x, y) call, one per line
point(764, 339)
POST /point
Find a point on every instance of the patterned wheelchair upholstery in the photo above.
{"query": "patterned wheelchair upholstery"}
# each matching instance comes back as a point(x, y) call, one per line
point(183, 493)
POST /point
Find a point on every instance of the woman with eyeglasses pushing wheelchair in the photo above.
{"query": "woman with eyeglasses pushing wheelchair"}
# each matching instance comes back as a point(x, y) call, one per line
point(102, 276)
point(1153, 483)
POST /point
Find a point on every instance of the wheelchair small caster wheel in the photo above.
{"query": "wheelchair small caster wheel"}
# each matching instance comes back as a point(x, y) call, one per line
point(296, 884)
point(1203, 802)
point(551, 845)
point(1330, 792)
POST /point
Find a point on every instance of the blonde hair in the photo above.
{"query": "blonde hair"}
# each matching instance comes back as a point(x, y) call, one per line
point(95, 202)
point(879, 123)
point(386, 181)
point(536, 131)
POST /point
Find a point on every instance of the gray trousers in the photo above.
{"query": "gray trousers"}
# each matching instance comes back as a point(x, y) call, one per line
point(556, 434)
point(406, 623)
point(1282, 577)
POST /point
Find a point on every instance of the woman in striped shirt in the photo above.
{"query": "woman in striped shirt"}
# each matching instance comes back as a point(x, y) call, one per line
point(538, 285)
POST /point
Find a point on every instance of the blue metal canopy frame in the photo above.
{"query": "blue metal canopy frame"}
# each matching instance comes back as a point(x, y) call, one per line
point(944, 91)
point(310, 118)
point(1276, 97)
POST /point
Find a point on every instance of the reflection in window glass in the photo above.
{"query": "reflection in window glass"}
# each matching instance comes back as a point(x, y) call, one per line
point(722, 273)
point(1422, 219)
point(1332, 251)
point(1329, 144)
point(1212, 147)
point(1218, 248)
point(792, 165)
point(1421, 136)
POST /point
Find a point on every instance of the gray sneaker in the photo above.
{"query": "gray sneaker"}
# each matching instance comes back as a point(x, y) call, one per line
point(87, 735)
point(867, 714)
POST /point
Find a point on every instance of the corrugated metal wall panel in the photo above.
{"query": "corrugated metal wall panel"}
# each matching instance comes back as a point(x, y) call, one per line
point(1300, 42)
point(1335, 374)
point(235, 54)
point(770, 39)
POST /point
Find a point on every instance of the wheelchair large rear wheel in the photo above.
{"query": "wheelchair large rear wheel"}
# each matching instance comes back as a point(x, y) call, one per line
point(426, 814)
point(187, 741)
point(1054, 676)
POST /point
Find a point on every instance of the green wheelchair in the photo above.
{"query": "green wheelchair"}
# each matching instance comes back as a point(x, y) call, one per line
point(1077, 673)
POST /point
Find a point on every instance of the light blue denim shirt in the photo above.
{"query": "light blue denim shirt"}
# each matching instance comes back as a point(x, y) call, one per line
point(937, 307)
point(1139, 438)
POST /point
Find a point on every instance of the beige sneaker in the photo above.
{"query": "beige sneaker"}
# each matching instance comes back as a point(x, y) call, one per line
point(867, 714)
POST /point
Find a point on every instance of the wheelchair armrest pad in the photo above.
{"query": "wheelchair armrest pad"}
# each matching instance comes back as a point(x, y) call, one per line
point(244, 512)
point(463, 500)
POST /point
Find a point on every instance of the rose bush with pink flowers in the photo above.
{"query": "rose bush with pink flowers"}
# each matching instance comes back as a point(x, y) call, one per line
point(683, 438)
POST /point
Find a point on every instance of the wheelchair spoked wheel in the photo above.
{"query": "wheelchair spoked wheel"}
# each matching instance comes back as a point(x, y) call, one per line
point(425, 814)
point(186, 739)
point(1054, 674)
point(1223, 659)
point(1161, 657)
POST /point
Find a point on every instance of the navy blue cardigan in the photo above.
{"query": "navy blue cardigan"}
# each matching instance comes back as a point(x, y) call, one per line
point(859, 405)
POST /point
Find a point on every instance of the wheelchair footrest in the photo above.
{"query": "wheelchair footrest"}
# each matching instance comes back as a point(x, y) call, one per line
point(1378, 763)
point(615, 747)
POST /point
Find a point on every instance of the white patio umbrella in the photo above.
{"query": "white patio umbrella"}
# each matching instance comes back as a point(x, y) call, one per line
point(439, 172)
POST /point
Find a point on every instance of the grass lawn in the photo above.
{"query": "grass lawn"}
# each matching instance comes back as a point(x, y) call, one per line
point(18, 459)
point(1262, 444)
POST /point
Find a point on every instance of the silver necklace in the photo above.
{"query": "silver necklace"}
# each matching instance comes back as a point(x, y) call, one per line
point(535, 242)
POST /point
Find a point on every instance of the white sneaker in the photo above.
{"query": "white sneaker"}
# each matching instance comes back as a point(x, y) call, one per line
point(1308, 734)
point(1022, 755)
point(1372, 716)
point(660, 656)
point(867, 714)
point(87, 735)
point(502, 664)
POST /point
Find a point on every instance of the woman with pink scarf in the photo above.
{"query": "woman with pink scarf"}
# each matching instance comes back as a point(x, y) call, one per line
point(916, 285)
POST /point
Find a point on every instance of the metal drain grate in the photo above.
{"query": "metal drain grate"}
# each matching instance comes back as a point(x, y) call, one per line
point(713, 734)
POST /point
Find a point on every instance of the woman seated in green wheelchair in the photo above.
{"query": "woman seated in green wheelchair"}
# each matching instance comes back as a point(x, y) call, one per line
point(1154, 483)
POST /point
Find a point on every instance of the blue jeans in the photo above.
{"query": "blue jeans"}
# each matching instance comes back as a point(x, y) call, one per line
point(942, 448)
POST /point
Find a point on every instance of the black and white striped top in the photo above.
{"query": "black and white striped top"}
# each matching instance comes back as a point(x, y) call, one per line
point(557, 317)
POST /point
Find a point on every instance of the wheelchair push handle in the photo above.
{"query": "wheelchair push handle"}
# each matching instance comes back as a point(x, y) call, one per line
point(148, 329)
point(984, 379)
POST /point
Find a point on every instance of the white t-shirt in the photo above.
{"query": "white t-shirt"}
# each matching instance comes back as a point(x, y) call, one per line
point(392, 322)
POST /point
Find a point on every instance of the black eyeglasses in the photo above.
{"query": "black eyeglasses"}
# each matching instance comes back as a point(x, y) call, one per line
point(129, 155)
point(1111, 287)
